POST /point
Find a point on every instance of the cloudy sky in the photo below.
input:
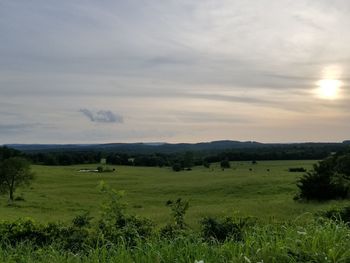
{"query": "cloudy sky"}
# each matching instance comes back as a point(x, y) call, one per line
point(87, 71)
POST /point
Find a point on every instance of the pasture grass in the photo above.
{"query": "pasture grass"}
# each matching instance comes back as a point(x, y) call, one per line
point(264, 190)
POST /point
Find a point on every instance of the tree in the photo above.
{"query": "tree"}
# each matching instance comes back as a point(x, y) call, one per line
point(14, 172)
point(188, 160)
point(328, 180)
point(225, 164)
point(342, 166)
point(177, 167)
point(206, 164)
point(6, 153)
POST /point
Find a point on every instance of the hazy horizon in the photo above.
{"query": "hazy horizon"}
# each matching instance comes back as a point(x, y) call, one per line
point(182, 142)
point(174, 71)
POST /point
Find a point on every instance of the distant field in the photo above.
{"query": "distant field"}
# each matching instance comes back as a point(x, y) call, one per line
point(60, 193)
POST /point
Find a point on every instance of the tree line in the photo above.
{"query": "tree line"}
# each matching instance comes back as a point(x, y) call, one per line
point(184, 159)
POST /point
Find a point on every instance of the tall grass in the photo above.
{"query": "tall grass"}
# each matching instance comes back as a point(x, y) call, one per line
point(316, 241)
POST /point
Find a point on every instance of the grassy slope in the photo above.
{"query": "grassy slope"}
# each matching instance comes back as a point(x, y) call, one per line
point(59, 193)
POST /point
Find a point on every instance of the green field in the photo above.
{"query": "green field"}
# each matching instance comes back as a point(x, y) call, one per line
point(60, 193)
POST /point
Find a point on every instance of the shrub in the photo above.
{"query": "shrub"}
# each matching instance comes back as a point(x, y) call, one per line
point(206, 164)
point(326, 181)
point(115, 224)
point(27, 230)
point(342, 214)
point(127, 229)
point(319, 186)
point(223, 229)
point(297, 170)
point(171, 231)
point(178, 227)
point(178, 211)
point(177, 167)
point(19, 198)
point(75, 239)
point(225, 164)
point(82, 220)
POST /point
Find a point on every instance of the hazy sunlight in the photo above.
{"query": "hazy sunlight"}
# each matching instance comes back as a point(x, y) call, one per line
point(328, 89)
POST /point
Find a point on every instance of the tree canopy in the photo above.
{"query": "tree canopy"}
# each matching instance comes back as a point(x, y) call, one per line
point(330, 179)
point(14, 172)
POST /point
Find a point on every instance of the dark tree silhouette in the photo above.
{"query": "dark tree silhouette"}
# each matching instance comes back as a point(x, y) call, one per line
point(14, 172)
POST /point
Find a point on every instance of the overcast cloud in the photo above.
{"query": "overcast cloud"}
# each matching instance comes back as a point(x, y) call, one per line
point(176, 71)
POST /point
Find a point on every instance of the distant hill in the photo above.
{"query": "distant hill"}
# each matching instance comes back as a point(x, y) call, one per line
point(145, 148)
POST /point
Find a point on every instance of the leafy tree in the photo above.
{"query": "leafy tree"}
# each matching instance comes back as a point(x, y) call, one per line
point(342, 166)
point(177, 167)
point(225, 164)
point(188, 159)
point(6, 153)
point(14, 172)
point(206, 164)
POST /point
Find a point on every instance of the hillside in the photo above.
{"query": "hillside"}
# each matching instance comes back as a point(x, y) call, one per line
point(144, 148)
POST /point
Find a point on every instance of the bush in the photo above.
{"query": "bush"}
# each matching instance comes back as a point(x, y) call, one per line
point(206, 164)
point(297, 170)
point(76, 239)
point(171, 231)
point(342, 214)
point(177, 167)
point(225, 164)
point(27, 230)
point(315, 186)
point(82, 220)
point(128, 229)
point(178, 211)
point(19, 198)
point(223, 229)
point(116, 225)
point(325, 182)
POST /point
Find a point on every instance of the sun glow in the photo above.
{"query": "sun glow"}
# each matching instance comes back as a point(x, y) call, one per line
point(328, 88)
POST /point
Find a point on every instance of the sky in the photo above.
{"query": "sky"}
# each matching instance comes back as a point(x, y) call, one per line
point(87, 71)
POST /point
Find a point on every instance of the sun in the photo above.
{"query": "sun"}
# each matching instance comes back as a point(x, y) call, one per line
point(328, 89)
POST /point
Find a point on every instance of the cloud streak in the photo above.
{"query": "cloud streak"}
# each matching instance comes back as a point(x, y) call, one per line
point(20, 127)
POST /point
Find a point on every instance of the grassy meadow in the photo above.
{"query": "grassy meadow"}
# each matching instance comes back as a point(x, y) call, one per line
point(264, 190)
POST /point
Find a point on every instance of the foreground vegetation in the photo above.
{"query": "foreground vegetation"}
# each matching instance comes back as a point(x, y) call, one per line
point(120, 237)
point(318, 241)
